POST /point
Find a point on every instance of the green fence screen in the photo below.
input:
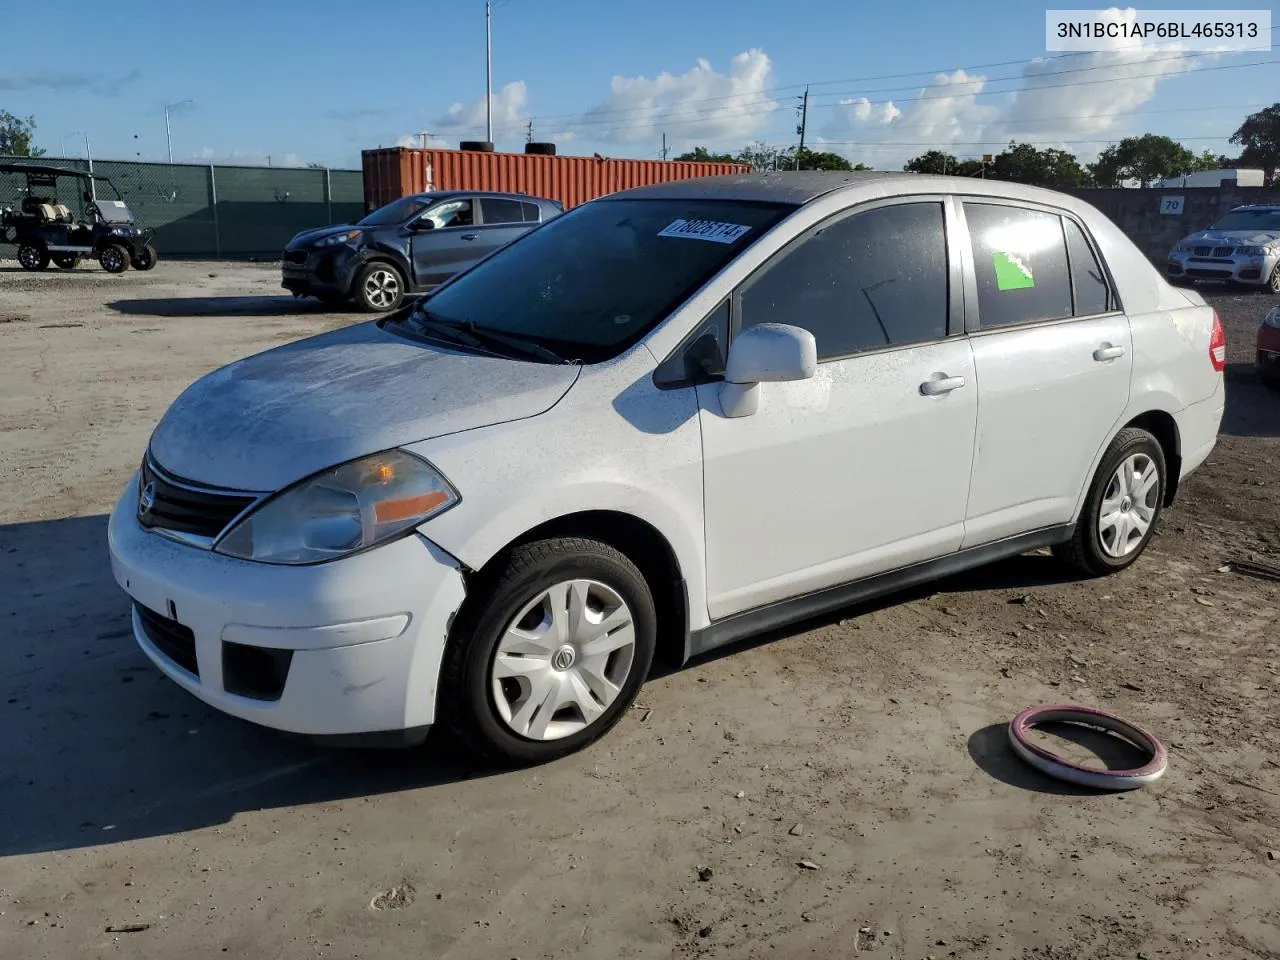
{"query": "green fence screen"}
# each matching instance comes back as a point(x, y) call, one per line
point(202, 210)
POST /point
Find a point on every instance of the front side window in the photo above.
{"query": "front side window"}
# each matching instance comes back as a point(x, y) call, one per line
point(1020, 261)
point(868, 281)
point(398, 211)
point(451, 213)
point(497, 210)
point(591, 282)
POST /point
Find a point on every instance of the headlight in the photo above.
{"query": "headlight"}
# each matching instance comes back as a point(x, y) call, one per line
point(1251, 251)
point(341, 510)
point(1272, 319)
point(338, 239)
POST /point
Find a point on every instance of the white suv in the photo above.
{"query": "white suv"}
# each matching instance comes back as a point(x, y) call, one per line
point(668, 419)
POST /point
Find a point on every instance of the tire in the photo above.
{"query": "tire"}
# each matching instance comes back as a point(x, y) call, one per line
point(379, 288)
point(540, 149)
point(478, 146)
point(114, 258)
point(1273, 282)
point(1096, 550)
point(67, 261)
point(146, 259)
point(496, 704)
point(33, 256)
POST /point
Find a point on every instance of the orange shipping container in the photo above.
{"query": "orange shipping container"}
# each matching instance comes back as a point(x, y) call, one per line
point(395, 172)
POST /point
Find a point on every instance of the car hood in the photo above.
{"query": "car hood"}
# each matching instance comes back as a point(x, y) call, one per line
point(1255, 237)
point(308, 237)
point(271, 419)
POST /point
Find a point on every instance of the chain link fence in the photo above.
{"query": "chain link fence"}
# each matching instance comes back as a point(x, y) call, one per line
point(208, 210)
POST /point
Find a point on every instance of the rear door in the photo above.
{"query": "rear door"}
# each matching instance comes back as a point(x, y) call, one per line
point(502, 220)
point(1054, 358)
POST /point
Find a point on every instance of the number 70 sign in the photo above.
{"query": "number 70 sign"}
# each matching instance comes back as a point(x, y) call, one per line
point(1171, 205)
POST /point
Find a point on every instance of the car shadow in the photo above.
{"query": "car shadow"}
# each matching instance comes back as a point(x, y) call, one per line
point(1252, 408)
point(99, 747)
point(224, 306)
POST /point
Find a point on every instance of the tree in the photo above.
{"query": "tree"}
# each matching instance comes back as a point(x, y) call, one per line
point(1208, 160)
point(1023, 163)
point(703, 155)
point(938, 162)
point(1145, 158)
point(763, 157)
point(16, 134)
point(815, 160)
point(1259, 135)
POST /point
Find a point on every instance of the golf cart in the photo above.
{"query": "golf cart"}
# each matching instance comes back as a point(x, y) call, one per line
point(43, 229)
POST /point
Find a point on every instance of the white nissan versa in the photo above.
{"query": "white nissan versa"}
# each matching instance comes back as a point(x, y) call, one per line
point(667, 419)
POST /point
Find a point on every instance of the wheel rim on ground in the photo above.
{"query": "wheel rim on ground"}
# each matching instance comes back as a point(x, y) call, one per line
point(381, 288)
point(112, 258)
point(29, 256)
point(1128, 506)
point(1274, 284)
point(563, 660)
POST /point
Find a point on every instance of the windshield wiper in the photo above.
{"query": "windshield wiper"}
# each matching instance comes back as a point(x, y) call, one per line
point(428, 325)
point(527, 347)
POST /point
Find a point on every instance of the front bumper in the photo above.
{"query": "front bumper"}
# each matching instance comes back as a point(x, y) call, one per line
point(1269, 353)
point(327, 272)
point(359, 641)
point(1249, 270)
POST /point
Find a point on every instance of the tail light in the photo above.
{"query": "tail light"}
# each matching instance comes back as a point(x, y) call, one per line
point(1218, 345)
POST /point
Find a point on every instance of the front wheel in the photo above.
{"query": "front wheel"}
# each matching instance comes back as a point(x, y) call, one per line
point(33, 256)
point(379, 288)
point(549, 653)
point(145, 258)
point(114, 258)
point(1123, 505)
point(1273, 283)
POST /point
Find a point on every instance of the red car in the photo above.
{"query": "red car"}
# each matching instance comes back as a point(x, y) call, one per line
point(1269, 349)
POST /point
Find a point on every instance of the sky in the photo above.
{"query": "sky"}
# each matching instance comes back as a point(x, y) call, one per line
point(290, 82)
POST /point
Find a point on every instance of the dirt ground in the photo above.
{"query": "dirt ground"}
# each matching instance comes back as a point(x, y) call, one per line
point(136, 823)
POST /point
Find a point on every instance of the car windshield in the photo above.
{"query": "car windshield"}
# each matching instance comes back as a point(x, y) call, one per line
point(395, 212)
point(1268, 220)
point(593, 281)
point(114, 211)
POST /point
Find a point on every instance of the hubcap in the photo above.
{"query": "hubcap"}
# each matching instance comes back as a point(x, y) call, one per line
point(29, 256)
point(111, 259)
point(563, 660)
point(382, 287)
point(1128, 506)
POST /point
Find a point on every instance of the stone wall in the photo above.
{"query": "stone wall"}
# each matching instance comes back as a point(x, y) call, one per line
point(1137, 212)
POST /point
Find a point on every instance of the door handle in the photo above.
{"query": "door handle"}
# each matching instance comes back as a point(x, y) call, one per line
point(1108, 352)
point(940, 385)
point(470, 236)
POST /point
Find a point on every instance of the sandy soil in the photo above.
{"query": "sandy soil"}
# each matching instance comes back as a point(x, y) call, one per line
point(870, 746)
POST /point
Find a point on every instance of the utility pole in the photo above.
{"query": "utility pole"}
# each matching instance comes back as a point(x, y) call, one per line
point(804, 122)
point(425, 136)
point(488, 70)
point(528, 138)
point(664, 146)
point(168, 135)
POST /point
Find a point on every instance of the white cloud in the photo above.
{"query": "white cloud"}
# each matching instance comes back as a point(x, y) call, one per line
point(249, 158)
point(698, 106)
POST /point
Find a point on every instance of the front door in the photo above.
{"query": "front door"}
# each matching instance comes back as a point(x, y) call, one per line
point(448, 245)
point(865, 467)
point(1054, 359)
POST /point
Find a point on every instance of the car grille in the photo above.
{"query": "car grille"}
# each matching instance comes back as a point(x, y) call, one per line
point(1223, 251)
point(170, 637)
point(1203, 251)
point(295, 256)
point(186, 507)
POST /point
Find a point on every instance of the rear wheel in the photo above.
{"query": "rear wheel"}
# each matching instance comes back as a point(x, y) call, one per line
point(33, 256)
point(1123, 505)
point(114, 258)
point(66, 261)
point(144, 259)
point(550, 652)
point(379, 288)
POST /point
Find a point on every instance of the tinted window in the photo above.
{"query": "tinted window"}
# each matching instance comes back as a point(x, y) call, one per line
point(1267, 218)
point(701, 357)
point(531, 214)
point(592, 281)
point(870, 280)
point(1087, 279)
point(1020, 258)
point(501, 211)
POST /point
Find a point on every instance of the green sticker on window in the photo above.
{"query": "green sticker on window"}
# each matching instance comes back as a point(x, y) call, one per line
point(1012, 271)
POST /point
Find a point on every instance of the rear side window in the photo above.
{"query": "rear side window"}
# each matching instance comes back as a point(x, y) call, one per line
point(868, 281)
point(1020, 260)
point(501, 211)
point(531, 212)
point(1093, 294)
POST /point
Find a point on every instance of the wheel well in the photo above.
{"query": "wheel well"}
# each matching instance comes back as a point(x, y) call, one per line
point(646, 548)
point(1165, 429)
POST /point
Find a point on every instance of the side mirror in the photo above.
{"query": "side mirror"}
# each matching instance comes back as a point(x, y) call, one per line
point(421, 224)
point(767, 353)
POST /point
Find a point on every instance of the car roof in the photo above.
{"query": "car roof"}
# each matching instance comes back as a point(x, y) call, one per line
point(46, 169)
point(800, 187)
point(1256, 206)
point(445, 194)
